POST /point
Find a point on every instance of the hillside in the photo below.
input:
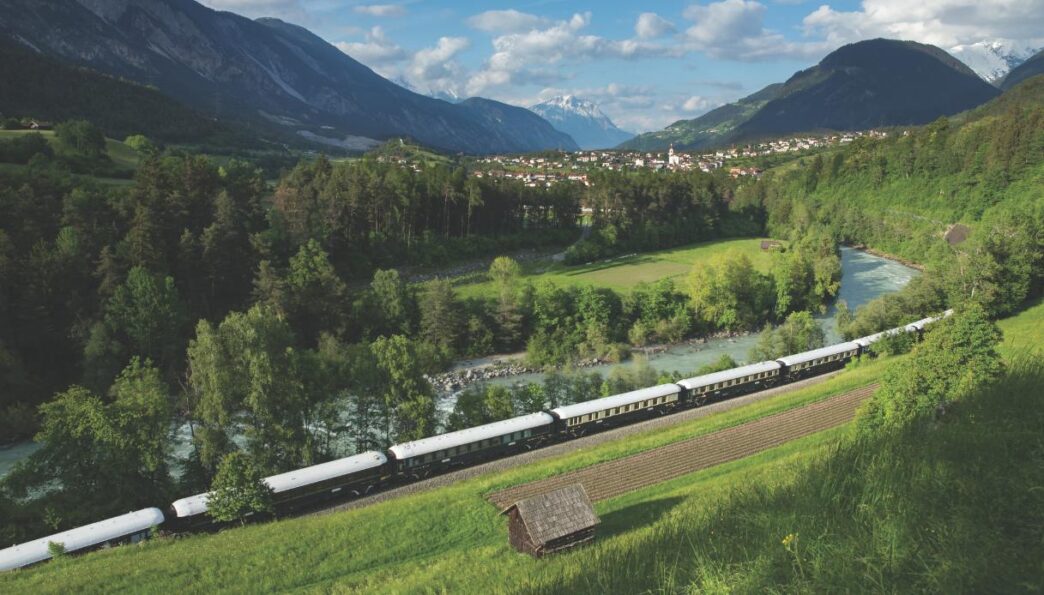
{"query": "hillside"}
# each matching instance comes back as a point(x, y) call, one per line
point(508, 123)
point(707, 130)
point(869, 84)
point(582, 120)
point(46, 89)
point(264, 71)
point(1028, 69)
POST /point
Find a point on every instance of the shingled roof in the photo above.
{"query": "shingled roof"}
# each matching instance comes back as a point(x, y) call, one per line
point(556, 514)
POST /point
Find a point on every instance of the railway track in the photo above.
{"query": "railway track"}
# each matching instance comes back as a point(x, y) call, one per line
point(612, 478)
point(570, 446)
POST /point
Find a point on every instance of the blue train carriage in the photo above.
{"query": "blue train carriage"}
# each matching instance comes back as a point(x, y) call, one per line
point(427, 456)
point(128, 528)
point(350, 476)
point(818, 361)
point(592, 416)
point(728, 383)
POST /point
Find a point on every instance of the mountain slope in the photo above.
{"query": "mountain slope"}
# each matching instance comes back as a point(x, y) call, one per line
point(40, 87)
point(1028, 69)
point(233, 67)
point(863, 85)
point(993, 60)
point(509, 121)
point(582, 120)
point(870, 84)
point(705, 130)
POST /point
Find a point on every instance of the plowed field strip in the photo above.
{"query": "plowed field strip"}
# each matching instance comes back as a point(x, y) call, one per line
point(612, 478)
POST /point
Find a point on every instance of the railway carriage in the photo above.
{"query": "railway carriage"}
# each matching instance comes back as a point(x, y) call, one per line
point(355, 475)
point(128, 528)
point(818, 361)
point(727, 383)
point(424, 457)
point(583, 418)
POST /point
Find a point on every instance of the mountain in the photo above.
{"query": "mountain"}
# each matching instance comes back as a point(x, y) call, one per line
point(514, 122)
point(868, 84)
point(1030, 68)
point(39, 87)
point(992, 60)
point(582, 120)
point(707, 129)
point(262, 70)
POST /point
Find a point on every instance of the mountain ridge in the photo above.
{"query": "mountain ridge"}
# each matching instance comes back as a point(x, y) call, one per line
point(257, 70)
point(868, 84)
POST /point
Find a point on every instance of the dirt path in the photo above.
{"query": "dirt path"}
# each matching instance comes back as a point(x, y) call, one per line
point(612, 478)
point(572, 445)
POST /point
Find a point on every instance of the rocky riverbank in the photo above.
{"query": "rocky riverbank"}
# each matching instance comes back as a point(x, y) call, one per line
point(459, 379)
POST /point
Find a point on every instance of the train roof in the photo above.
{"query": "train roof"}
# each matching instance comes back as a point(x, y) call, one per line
point(724, 375)
point(424, 446)
point(620, 400)
point(807, 356)
point(867, 340)
point(79, 538)
point(283, 482)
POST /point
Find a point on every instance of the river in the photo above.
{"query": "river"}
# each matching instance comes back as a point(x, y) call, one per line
point(864, 277)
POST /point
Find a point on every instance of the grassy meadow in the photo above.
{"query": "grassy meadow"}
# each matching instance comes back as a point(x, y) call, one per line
point(624, 272)
point(123, 157)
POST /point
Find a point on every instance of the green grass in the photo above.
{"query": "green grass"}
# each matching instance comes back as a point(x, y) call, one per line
point(623, 273)
point(123, 157)
point(948, 507)
point(1023, 332)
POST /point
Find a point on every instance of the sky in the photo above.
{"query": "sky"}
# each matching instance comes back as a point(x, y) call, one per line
point(646, 64)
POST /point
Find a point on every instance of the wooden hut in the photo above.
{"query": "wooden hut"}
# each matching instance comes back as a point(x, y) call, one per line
point(551, 522)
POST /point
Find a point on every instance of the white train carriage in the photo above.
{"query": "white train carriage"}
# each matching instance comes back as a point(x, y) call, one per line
point(131, 527)
point(357, 474)
point(819, 360)
point(867, 341)
point(421, 457)
point(587, 416)
point(734, 381)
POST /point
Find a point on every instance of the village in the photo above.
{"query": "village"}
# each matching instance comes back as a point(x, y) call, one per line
point(547, 169)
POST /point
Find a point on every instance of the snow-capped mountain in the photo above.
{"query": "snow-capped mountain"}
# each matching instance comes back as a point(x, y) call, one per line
point(992, 60)
point(582, 120)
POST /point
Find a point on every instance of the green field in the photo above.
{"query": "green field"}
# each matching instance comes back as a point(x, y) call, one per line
point(921, 518)
point(123, 157)
point(624, 272)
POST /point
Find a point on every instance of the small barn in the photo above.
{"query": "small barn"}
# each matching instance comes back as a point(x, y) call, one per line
point(551, 522)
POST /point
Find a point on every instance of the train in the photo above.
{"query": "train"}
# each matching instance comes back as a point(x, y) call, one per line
point(368, 472)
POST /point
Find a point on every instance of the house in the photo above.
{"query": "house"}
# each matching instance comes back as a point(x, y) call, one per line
point(551, 522)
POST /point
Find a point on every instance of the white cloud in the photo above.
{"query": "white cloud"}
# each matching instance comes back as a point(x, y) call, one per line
point(532, 56)
point(942, 23)
point(381, 10)
point(506, 21)
point(651, 25)
point(378, 51)
point(435, 70)
point(696, 104)
point(734, 29)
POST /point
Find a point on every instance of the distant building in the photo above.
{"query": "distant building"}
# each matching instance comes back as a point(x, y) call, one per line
point(551, 522)
point(672, 159)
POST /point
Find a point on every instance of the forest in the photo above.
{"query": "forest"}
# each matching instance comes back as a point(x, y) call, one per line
point(272, 324)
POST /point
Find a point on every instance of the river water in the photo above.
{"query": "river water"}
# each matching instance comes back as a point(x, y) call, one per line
point(864, 277)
